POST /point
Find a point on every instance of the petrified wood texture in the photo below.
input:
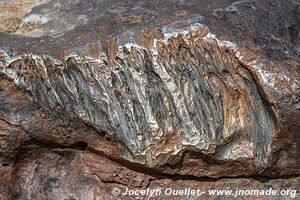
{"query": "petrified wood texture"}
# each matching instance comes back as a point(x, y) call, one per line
point(98, 94)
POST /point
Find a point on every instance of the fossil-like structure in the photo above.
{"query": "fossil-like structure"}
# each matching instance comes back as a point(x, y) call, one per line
point(129, 94)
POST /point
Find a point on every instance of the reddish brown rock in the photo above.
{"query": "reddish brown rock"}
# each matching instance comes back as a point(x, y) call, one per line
point(98, 97)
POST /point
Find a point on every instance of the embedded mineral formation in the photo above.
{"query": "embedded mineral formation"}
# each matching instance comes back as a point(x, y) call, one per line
point(99, 97)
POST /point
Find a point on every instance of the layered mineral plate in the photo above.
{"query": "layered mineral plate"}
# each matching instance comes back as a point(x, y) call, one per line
point(98, 97)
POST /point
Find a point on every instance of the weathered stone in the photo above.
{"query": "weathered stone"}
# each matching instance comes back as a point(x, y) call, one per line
point(96, 95)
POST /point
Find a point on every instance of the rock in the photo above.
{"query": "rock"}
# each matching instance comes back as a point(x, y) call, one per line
point(97, 97)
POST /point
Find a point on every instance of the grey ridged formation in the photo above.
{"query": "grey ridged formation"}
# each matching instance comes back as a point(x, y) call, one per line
point(185, 90)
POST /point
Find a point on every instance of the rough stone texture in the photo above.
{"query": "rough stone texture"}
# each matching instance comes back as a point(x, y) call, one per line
point(12, 15)
point(98, 94)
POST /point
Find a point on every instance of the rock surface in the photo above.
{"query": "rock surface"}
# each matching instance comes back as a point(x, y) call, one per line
point(97, 95)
